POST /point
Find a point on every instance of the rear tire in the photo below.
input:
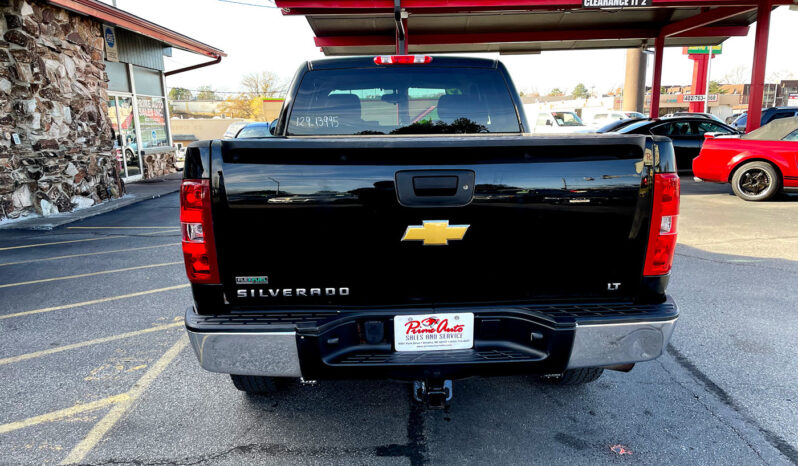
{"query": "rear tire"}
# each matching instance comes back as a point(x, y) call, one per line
point(756, 181)
point(575, 376)
point(255, 384)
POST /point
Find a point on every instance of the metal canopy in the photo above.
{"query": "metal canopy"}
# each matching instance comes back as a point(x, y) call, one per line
point(518, 32)
point(371, 27)
point(356, 27)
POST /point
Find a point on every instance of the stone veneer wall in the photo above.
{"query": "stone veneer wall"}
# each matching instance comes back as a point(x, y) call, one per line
point(53, 95)
point(159, 164)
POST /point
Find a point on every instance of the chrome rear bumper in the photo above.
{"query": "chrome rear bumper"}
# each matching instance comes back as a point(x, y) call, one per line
point(621, 343)
point(258, 353)
point(276, 353)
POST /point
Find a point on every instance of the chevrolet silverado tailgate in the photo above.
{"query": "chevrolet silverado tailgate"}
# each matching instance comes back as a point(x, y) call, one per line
point(398, 221)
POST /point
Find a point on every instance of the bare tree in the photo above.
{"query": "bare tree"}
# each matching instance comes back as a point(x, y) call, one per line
point(264, 84)
point(780, 75)
point(740, 74)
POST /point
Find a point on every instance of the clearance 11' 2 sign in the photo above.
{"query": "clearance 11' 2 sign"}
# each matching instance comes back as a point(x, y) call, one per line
point(615, 3)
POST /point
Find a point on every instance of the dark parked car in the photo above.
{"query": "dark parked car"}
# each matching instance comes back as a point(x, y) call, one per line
point(259, 129)
point(730, 119)
point(618, 124)
point(687, 134)
point(709, 116)
point(768, 115)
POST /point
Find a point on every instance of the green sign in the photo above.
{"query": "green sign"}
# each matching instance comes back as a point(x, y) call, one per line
point(704, 50)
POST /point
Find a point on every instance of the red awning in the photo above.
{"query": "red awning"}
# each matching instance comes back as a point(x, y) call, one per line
point(114, 16)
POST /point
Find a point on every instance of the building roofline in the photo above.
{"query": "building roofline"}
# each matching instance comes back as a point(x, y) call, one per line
point(111, 15)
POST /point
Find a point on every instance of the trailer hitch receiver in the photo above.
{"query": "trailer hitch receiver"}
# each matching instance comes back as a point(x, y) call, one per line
point(435, 393)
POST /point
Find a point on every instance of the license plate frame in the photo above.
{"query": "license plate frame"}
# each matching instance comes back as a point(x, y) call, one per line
point(433, 332)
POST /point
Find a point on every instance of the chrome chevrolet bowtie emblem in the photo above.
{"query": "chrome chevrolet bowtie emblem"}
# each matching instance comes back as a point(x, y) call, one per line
point(435, 232)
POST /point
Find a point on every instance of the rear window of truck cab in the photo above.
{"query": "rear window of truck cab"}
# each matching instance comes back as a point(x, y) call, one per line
point(396, 100)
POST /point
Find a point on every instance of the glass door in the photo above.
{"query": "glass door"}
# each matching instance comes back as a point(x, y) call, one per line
point(117, 151)
point(120, 110)
point(127, 128)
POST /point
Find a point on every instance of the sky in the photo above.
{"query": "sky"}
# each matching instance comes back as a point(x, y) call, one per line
point(262, 39)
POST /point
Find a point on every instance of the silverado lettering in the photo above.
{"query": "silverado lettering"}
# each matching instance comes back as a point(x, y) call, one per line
point(289, 292)
point(481, 248)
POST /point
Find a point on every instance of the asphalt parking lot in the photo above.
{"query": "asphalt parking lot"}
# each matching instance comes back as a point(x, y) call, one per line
point(95, 367)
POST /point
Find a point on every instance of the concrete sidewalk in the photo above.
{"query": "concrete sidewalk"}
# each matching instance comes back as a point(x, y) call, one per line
point(135, 192)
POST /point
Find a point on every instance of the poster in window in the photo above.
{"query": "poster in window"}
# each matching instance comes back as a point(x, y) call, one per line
point(152, 119)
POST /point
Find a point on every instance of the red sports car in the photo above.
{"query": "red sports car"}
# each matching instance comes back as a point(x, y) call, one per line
point(758, 165)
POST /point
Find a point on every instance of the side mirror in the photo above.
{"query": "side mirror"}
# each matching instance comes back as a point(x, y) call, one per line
point(273, 127)
point(549, 123)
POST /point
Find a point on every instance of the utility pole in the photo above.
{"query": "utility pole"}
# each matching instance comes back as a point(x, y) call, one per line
point(709, 69)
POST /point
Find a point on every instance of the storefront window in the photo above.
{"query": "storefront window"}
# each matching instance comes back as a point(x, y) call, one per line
point(137, 118)
point(148, 82)
point(117, 76)
point(152, 122)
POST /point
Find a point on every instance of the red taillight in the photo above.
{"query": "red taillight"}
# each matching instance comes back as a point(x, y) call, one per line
point(196, 225)
point(402, 59)
point(662, 235)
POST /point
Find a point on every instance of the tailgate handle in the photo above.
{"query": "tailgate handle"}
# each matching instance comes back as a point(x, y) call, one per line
point(435, 185)
point(435, 188)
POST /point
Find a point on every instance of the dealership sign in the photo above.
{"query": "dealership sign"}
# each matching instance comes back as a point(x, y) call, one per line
point(792, 100)
point(699, 98)
point(109, 37)
point(703, 50)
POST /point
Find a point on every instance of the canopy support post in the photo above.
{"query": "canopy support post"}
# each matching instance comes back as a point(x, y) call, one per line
point(656, 82)
point(400, 18)
point(758, 69)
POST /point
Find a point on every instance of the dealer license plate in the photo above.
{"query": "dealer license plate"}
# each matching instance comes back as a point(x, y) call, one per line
point(433, 332)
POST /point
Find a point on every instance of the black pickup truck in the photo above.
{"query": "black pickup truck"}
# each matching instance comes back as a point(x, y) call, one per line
point(400, 224)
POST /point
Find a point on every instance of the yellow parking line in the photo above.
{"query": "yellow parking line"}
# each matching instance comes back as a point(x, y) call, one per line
point(114, 228)
point(115, 414)
point(64, 413)
point(87, 254)
point(93, 301)
point(92, 274)
point(60, 242)
point(157, 232)
point(38, 354)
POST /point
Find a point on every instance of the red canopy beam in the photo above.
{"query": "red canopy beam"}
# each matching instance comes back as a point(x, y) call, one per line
point(486, 37)
point(514, 37)
point(656, 82)
point(760, 61)
point(716, 31)
point(703, 19)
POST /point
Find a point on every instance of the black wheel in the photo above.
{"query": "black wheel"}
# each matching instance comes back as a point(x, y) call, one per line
point(131, 157)
point(255, 383)
point(756, 181)
point(575, 376)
